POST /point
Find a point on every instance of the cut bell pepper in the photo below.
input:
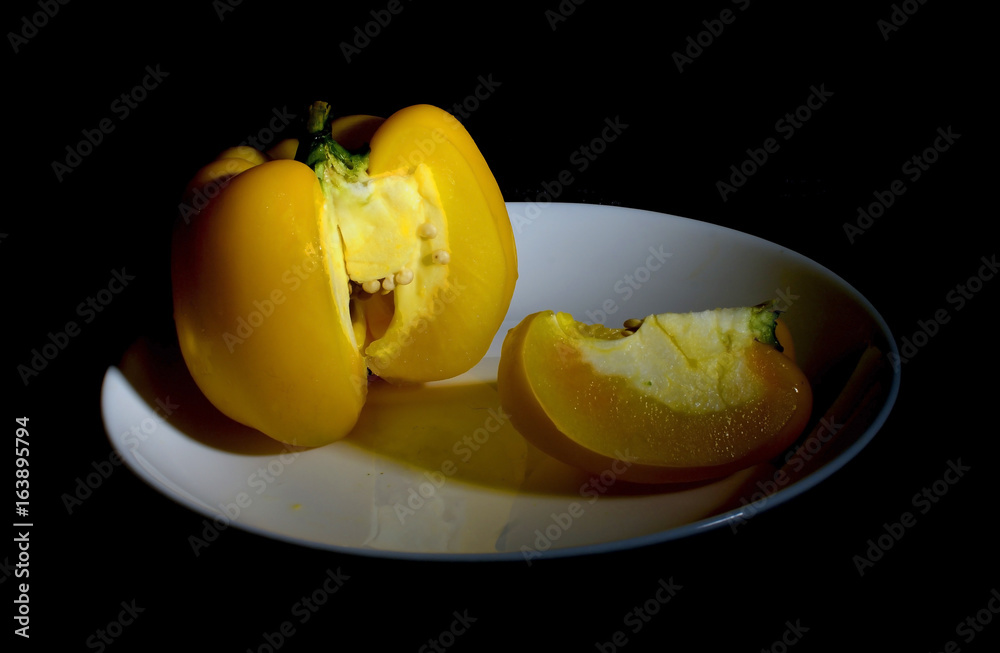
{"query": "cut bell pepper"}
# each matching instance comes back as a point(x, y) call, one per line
point(300, 276)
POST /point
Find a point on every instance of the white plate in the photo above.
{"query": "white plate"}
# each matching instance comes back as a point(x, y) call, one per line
point(437, 472)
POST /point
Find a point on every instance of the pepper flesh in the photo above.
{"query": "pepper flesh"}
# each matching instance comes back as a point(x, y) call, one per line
point(685, 397)
point(482, 266)
point(267, 279)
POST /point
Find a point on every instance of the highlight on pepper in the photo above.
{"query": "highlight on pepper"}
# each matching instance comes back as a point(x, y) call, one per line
point(369, 246)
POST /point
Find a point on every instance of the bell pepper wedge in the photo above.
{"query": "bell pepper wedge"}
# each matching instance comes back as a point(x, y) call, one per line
point(316, 264)
point(671, 398)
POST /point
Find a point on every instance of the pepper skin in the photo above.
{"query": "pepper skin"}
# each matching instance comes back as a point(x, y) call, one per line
point(295, 281)
point(676, 397)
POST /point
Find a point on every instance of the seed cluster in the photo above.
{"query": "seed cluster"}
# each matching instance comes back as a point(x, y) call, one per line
point(382, 286)
point(425, 231)
point(631, 326)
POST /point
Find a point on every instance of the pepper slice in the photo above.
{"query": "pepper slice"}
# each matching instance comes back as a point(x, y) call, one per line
point(676, 397)
point(299, 277)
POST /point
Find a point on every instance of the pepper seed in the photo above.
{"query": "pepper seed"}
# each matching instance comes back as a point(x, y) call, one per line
point(403, 277)
point(427, 231)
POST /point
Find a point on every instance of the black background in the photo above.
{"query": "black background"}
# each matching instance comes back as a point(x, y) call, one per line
point(555, 83)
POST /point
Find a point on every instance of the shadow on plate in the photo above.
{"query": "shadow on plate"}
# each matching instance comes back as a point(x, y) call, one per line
point(457, 430)
point(158, 374)
point(454, 430)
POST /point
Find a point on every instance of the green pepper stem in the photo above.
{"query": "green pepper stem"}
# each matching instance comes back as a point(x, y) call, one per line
point(763, 321)
point(319, 114)
point(321, 152)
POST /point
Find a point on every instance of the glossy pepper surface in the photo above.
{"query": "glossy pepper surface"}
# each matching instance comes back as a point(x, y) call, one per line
point(669, 398)
point(383, 247)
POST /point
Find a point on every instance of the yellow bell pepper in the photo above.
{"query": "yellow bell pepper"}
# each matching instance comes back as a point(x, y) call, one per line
point(383, 248)
point(665, 399)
